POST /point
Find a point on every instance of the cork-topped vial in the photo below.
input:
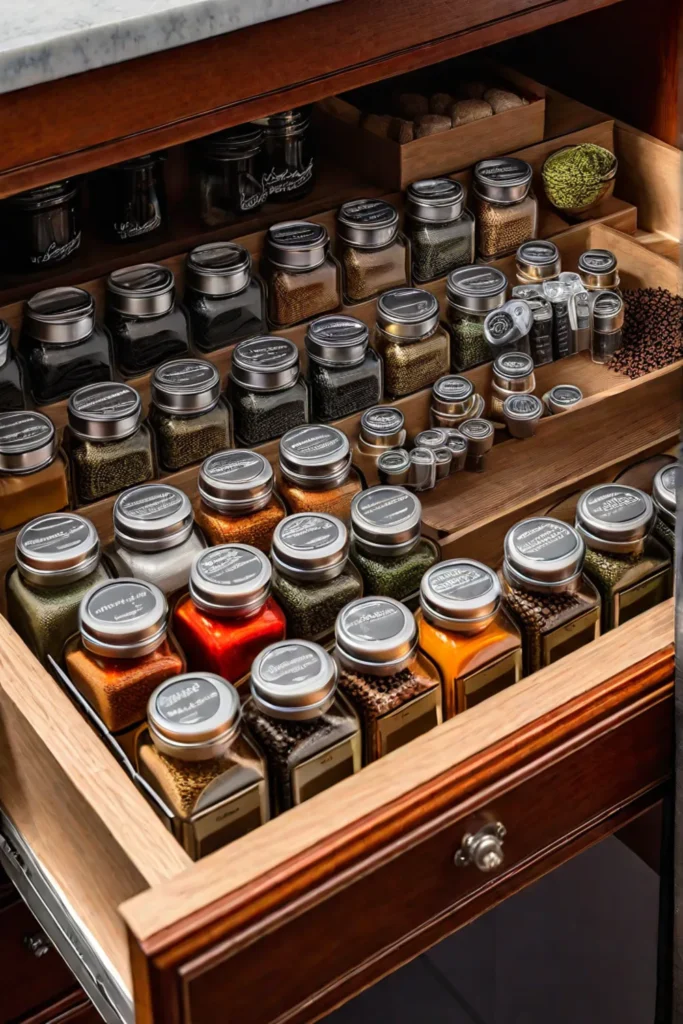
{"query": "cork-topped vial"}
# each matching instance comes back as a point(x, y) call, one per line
point(373, 253)
point(410, 339)
point(504, 206)
point(266, 390)
point(34, 475)
point(316, 471)
point(190, 418)
point(237, 501)
point(302, 276)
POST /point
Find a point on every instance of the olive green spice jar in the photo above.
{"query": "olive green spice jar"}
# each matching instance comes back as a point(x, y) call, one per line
point(190, 419)
point(414, 346)
point(472, 292)
point(576, 178)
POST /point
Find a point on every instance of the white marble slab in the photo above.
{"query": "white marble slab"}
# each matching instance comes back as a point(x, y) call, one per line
point(41, 40)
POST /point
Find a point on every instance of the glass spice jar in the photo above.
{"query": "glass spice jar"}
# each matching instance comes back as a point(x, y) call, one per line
point(607, 315)
point(505, 208)
point(12, 385)
point(266, 390)
point(393, 685)
point(454, 400)
point(559, 296)
point(237, 501)
point(393, 467)
point(513, 374)
point(664, 495)
point(599, 271)
point(225, 300)
point(471, 293)
point(62, 345)
point(579, 311)
point(439, 227)
point(467, 633)
point(422, 475)
point(381, 429)
point(190, 418)
point(507, 329)
point(42, 227)
point(57, 561)
point(229, 172)
point(631, 569)
point(34, 476)
point(556, 608)
point(373, 253)
point(410, 340)
point(316, 471)
point(288, 161)
point(108, 445)
point(147, 324)
point(302, 277)
point(538, 261)
point(131, 198)
point(196, 756)
point(541, 333)
point(344, 373)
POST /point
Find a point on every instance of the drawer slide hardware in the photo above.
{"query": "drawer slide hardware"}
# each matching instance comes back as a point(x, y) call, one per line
point(484, 848)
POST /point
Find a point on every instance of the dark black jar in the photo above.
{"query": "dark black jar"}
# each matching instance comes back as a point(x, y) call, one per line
point(230, 173)
point(288, 158)
point(12, 389)
point(226, 302)
point(42, 227)
point(147, 324)
point(62, 345)
point(344, 373)
point(131, 198)
point(266, 390)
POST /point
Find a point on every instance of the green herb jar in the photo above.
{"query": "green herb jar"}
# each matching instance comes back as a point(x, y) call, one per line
point(190, 419)
point(472, 292)
point(577, 178)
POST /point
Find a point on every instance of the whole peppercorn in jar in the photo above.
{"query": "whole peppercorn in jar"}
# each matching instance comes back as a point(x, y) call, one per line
point(412, 343)
point(665, 487)
point(190, 418)
point(34, 476)
point(229, 172)
point(374, 254)
point(344, 373)
point(505, 208)
point(316, 471)
point(42, 227)
point(12, 385)
point(303, 278)
point(225, 301)
point(238, 504)
point(440, 228)
point(472, 292)
point(266, 390)
point(288, 159)
point(131, 198)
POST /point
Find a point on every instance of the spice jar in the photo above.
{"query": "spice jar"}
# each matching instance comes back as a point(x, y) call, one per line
point(412, 343)
point(433, 438)
point(521, 414)
point(316, 471)
point(387, 547)
point(577, 178)
point(538, 261)
point(229, 169)
point(472, 292)
point(513, 374)
point(267, 392)
point(631, 570)
point(559, 295)
point(392, 684)
point(381, 428)
point(440, 229)
point(131, 198)
point(288, 161)
point(422, 475)
point(579, 310)
point(228, 616)
point(457, 445)
point(541, 333)
point(62, 345)
point(109, 447)
point(197, 757)
point(344, 373)
point(310, 734)
point(480, 435)
point(147, 324)
point(393, 467)
point(303, 278)
point(12, 388)
point(190, 419)
point(42, 227)
point(556, 608)
point(505, 208)
point(599, 271)
point(444, 460)
point(607, 312)
point(664, 495)
point(225, 301)
point(562, 397)
point(34, 478)
point(507, 329)
point(313, 578)
point(155, 539)
point(57, 562)
point(237, 501)
point(374, 255)
point(467, 633)
point(454, 400)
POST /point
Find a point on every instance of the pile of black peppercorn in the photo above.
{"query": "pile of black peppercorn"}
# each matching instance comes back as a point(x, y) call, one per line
point(652, 333)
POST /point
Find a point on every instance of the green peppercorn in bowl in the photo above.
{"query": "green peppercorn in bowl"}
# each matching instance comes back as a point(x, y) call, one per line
point(577, 178)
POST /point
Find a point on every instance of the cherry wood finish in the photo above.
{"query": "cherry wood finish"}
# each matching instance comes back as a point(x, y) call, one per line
point(30, 982)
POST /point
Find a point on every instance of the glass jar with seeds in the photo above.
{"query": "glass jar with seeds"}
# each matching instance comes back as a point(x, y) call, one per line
point(541, 333)
point(344, 373)
point(303, 278)
point(190, 418)
point(599, 271)
point(665, 487)
point(507, 329)
point(393, 467)
point(381, 429)
point(373, 253)
point(42, 227)
point(131, 198)
point(12, 385)
point(316, 471)
point(34, 474)
point(562, 397)
point(266, 390)
point(237, 502)
point(505, 208)
point(226, 302)
point(454, 400)
point(411, 341)
point(440, 228)
point(537, 261)
point(513, 374)
point(607, 315)
point(472, 292)
point(289, 159)
point(229, 174)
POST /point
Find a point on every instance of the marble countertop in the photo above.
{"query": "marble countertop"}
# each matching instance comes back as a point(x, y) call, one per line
point(41, 40)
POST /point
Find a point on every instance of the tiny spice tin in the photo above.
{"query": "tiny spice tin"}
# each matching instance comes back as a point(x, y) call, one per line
point(598, 270)
point(472, 293)
point(453, 401)
point(374, 254)
point(381, 427)
point(457, 445)
point(480, 435)
point(607, 312)
point(562, 397)
point(344, 373)
point(537, 261)
point(433, 438)
point(512, 373)
point(440, 228)
point(393, 467)
point(316, 471)
point(522, 413)
point(238, 504)
point(267, 393)
point(190, 419)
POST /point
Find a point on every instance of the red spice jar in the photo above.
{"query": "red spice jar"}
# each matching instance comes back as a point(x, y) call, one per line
point(228, 617)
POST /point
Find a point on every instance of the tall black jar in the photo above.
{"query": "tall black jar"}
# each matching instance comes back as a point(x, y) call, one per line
point(229, 173)
point(131, 198)
point(288, 158)
point(41, 227)
point(225, 300)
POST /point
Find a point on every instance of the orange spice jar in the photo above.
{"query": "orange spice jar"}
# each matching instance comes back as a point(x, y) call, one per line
point(237, 503)
point(34, 477)
point(316, 471)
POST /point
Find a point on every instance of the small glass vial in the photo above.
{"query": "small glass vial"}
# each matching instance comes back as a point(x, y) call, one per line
point(556, 608)
point(303, 278)
point(190, 418)
point(34, 477)
point(471, 293)
point(454, 400)
point(607, 314)
point(62, 345)
point(237, 502)
point(467, 633)
point(537, 261)
point(507, 329)
point(109, 446)
point(392, 684)
point(393, 467)
point(225, 300)
point(155, 538)
point(373, 254)
point(411, 341)
point(229, 174)
point(579, 311)
point(313, 578)
point(57, 562)
point(228, 616)
point(559, 295)
point(197, 757)
point(505, 208)
point(440, 229)
point(147, 324)
point(42, 227)
point(132, 198)
point(310, 734)
point(665, 486)
point(513, 374)
point(381, 429)
point(288, 160)
point(266, 390)
point(562, 397)
point(599, 271)
point(422, 475)
point(541, 333)
point(480, 435)
point(631, 570)
point(12, 387)
point(344, 373)
point(316, 471)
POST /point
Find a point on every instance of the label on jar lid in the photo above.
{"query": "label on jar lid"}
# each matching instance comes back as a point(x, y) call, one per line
point(514, 364)
point(24, 431)
point(239, 467)
point(124, 601)
point(266, 353)
point(151, 501)
point(453, 388)
point(57, 534)
point(314, 443)
point(385, 506)
point(370, 212)
point(407, 305)
point(374, 619)
point(444, 189)
point(462, 582)
point(105, 401)
point(308, 533)
point(505, 170)
point(394, 460)
point(338, 329)
point(290, 663)
point(61, 305)
point(523, 406)
point(598, 261)
point(668, 479)
point(476, 428)
point(145, 279)
point(189, 700)
point(383, 420)
point(544, 540)
point(220, 257)
point(615, 504)
point(477, 282)
point(186, 375)
point(538, 253)
point(231, 565)
point(565, 394)
point(297, 234)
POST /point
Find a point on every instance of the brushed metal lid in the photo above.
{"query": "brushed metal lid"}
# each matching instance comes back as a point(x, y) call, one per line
point(538, 260)
point(230, 580)
point(194, 716)
point(367, 223)
point(297, 245)
point(502, 179)
point(315, 456)
point(377, 636)
point(598, 269)
point(218, 268)
point(563, 397)
point(543, 554)
point(107, 411)
point(265, 364)
point(453, 395)
point(337, 341)
point(608, 312)
point(513, 370)
point(436, 200)
point(123, 618)
point(460, 595)
point(236, 482)
point(28, 442)
point(293, 679)
point(152, 517)
point(145, 290)
point(57, 549)
point(522, 408)
point(185, 387)
point(386, 520)
point(310, 548)
point(480, 435)
point(665, 486)
point(433, 438)
point(476, 289)
point(408, 313)
point(382, 425)
point(615, 518)
point(59, 316)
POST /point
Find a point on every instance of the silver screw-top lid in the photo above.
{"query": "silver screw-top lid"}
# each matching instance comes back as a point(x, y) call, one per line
point(265, 364)
point(218, 268)
point(608, 312)
point(615, 518)
point(194, 716)
point(393, 467)
point(287, 122)
point(479, 434)
point(367, 223)
point(453, 395)
point(522, 408)
point(386, 520)
point(337, 341)
point(665, 485)
point(422, 469)
point(230, 580)
point(377, 636)
point(236, 482)
point(57, 549)
point(507, 327)
point(315, 457)
point(435, 200)
point(123, 618)
point(146, 290)
point(598, 269)
point(5, 335)
point(513, 371)
point(460, 595)
point(456, 441)
point(297, 245)
point(382, 426)
point(476, 289)
point(60, 316)
point(293, 679)
point(28, 442)
point(538, 260)
point(432, 438)
point(408, 313)
point(563, 397)
point(108, 411)
point(152, 517)
point(533, 295)
point(543, 555)
point(185, 387)
point(310, 547)
point(502, 179)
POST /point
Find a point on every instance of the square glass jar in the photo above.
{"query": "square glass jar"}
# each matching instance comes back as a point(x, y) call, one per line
point(42, 227)
point(439, 227)
point(344, 373)
point(225, 301)
point(237, 502)
point(189, 417)
point(505, 208)
point(288, 159)
point(316, 472)
point(229, 173)
point(302, 277)
point(267, 393)
point(472, 292)
point(131, 198)
point(373, 253)
point(414, 347)
point(34, 473)
point(12, 387)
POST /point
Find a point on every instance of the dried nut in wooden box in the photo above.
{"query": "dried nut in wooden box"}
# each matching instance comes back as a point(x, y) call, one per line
point(401, 131)
point(378, 124)
point(472, 90)
point(562, 397)
point(512, 373)
point(507, 329)
point(440, 103)
point(541, 334)
point(412, 105)
point(504, 206)
point(503, 99)
point(480, 435)
point(431, 124)
point(598, 270)
point(381, 428)
point(522, 413)
point(422, 476)
point(466, 111)
point(537, 261)
point(393, 467)
point(471, 293)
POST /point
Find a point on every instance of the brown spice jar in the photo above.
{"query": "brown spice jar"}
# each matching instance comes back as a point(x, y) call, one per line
point(410, 366)
point(501, 229)
point(336, 501)
point(294, 297)
point(25, 496)
point(368, 272)
point(255, 528)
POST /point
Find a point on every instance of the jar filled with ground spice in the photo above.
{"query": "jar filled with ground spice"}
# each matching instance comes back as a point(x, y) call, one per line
point(109, 446)
point(12, 386)
point(42, 227)
point(665, 486)
point(472, 292)
point(316, 471)
point(344, 373)
point(266, 390)
point(556, 608)
point(374, 254)
point(34, 478)
point(541, 333)
point(190, 418)
point(288, 161)
point(303, 278)
point(631, 569)
point(57, 561)
point(538, 261)
point(505, 208)
point(381, 429)
point(513, 374)
point(507, 329)
point(313, 578)
point(147, 324)
point(411, 341)
point(237, 502)
point(392, 684)
point(607, 313)
point(454, 400)
point(62, 345)
point(599, 271)
point(131, 198)
point(225, 301)
point(440, 229)
point(197, 757)
point(229, 169)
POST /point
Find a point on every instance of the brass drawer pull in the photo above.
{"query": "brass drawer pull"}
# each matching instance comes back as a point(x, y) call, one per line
point(484, 849)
